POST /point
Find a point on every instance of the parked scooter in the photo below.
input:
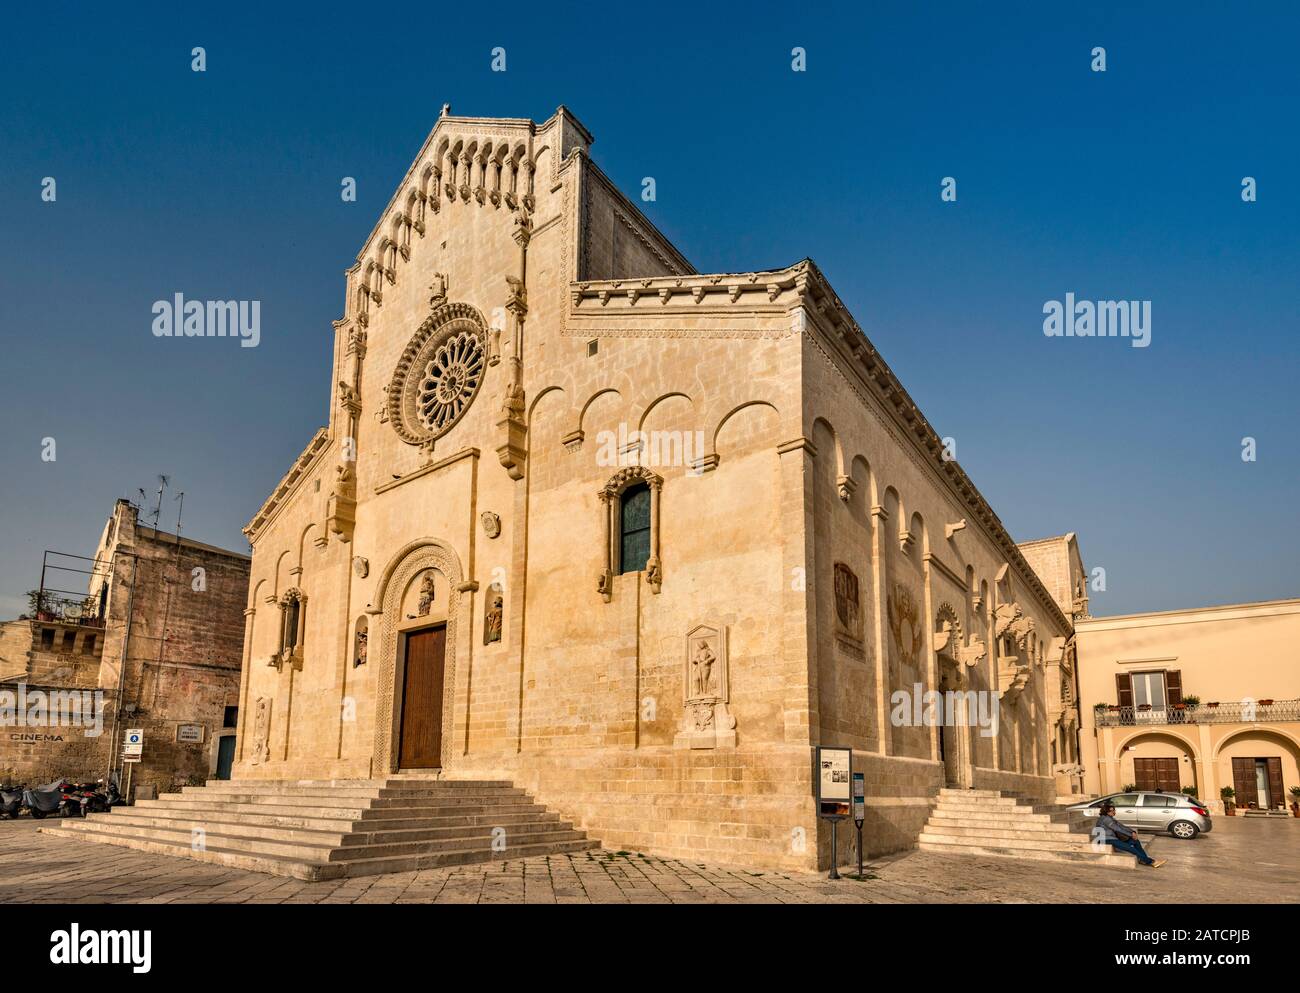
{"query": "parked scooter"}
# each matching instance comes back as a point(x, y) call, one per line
point(100, 797)
point(112, 794)
point(80, 799)
point(11, 801)
point(42, 801)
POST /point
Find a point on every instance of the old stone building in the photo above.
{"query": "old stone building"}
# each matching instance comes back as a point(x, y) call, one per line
point(633, 537)
point(154, 643)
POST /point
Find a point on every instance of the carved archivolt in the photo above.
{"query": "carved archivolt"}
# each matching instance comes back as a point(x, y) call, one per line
point(439, 374)
point(948, 639)
point(415, 558)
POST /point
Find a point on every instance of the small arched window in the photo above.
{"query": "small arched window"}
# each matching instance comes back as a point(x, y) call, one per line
point(634, 528)
point(293, 613)
point(630, 502)
point(292, 606)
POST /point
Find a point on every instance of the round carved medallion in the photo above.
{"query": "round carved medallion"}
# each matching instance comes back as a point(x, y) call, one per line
point(438, 375)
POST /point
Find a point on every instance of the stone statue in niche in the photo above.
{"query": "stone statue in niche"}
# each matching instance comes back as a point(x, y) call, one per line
point(706, 721)
point(426, 595)
point(493, 614)
point(702, 669)
point(363, 639)
point(261, 731)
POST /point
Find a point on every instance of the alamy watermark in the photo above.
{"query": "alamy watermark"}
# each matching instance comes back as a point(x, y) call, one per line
point(43, 710)
point(919, 707)
point(650, 448)
point(181, 318)
point(1100, 319)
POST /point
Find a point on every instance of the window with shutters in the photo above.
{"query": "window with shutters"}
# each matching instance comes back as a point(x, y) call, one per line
point(1151, 696)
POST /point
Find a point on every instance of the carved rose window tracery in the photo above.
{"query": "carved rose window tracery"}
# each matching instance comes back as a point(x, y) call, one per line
point(449, 381)
point(439, 374)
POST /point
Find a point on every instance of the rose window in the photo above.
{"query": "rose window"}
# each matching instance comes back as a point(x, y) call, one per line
point(439, 374)
point(449, 380)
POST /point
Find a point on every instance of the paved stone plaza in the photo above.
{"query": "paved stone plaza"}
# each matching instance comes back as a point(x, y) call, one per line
point(1242, 861)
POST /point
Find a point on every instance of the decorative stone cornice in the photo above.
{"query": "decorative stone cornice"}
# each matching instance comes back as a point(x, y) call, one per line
point(288, 483)
point(830, 322)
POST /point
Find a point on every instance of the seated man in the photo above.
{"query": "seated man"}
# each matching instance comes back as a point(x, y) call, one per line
point(1123, 838)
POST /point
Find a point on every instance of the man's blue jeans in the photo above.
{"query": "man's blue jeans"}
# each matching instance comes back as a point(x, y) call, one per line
point(1133, 847)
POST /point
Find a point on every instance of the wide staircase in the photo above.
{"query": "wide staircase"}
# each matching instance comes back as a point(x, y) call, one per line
point(325, 829)
point(987, 822)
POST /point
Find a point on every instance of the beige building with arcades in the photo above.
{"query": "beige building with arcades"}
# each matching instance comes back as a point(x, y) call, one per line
point(1201, 698)
point(632, 537)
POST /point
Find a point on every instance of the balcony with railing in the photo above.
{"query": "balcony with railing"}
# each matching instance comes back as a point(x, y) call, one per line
point(1242, 712)
point(51, 603)
point(67, 610)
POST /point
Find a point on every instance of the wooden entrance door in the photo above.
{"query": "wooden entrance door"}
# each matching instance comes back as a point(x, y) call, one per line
point(1243, 781)
point(421, 735)
point(1157, 774)
point(1258, 781)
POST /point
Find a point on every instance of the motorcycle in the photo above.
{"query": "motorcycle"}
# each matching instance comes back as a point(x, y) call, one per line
point(80, 799)
point(11, 801)
point(41, 801)
point(101, 797)
point(112, 795)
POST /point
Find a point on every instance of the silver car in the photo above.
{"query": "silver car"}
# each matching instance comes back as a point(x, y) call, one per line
point(1181, 815)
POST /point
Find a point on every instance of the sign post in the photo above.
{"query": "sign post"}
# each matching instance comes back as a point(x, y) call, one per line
point(132, 750)
point(133, 745)
point(859, 811)
point(834, 772)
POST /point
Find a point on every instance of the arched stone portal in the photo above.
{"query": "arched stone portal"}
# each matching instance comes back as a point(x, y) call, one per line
point(418, 557)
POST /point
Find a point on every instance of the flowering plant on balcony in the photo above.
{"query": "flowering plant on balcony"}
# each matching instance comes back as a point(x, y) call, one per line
point(1191, 702)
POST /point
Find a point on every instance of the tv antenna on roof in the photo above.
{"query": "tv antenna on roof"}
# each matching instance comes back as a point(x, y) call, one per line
point(163, 482)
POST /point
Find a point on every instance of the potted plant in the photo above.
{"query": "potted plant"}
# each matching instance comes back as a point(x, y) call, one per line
point(1188, 791)
point(1213, 703)
point(1295, 800)
point(1227, 793)
point(1191, 701)
point(1266, 703)
point(1128, 787)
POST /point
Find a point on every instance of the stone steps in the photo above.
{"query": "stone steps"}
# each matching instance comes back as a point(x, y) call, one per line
point(962, 825)
point(950, 847)
point(341, 833)
point(333, 820)
point(986, 822)
point(326, 829)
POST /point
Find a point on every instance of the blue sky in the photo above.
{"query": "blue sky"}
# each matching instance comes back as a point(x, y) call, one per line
point(1122, 184)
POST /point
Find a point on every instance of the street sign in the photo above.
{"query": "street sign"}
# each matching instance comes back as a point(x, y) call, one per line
point(192, 733)
point(834, 772)
point(859, 798)
point(133, 744)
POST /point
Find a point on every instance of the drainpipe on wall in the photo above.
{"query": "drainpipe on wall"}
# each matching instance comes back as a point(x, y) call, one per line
point(121, 674)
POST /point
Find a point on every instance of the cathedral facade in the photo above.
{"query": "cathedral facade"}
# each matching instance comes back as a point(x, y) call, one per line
point(635, 538)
